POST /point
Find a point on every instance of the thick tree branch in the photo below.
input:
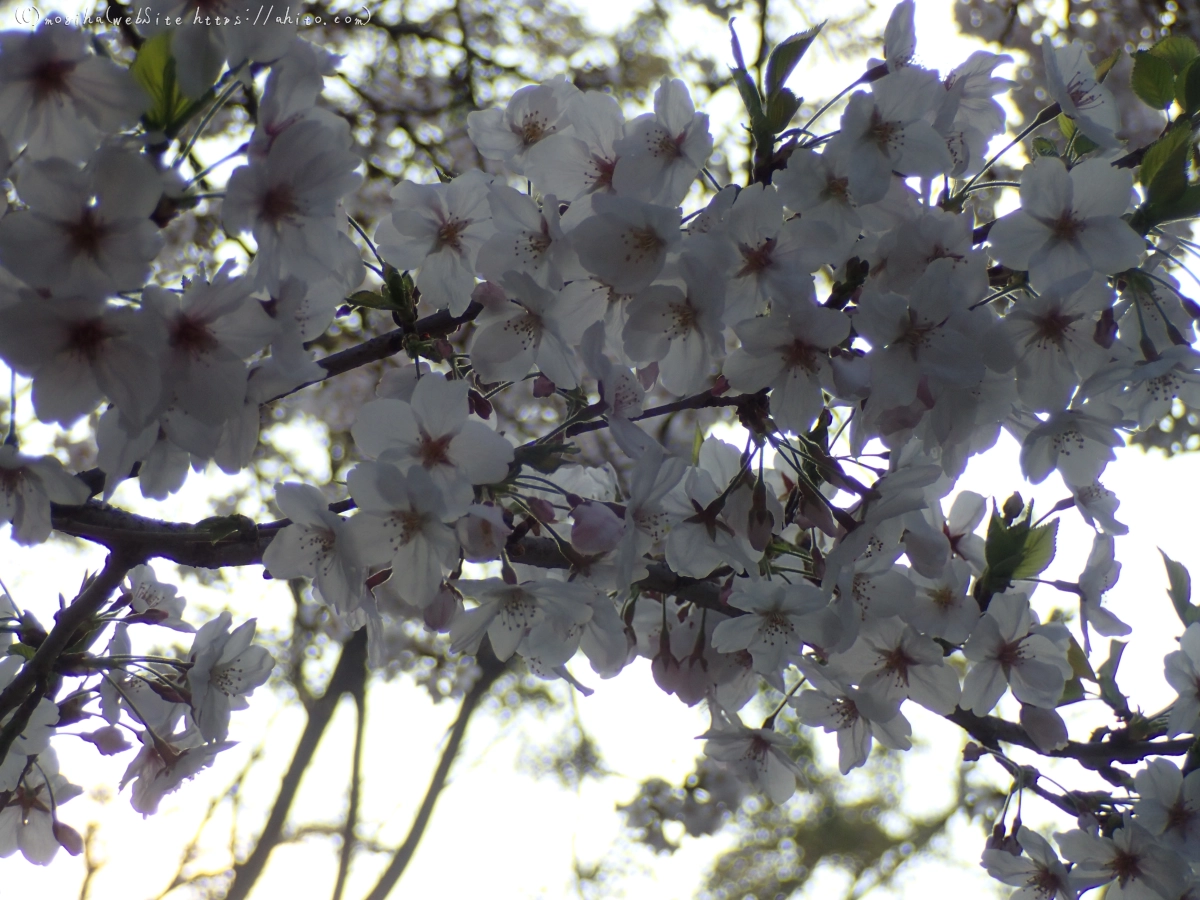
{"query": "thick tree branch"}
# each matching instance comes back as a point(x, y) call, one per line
point(349, 838)
point(491, 670)
point(349, 676)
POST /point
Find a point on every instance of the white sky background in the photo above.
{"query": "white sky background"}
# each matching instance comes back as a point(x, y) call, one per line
point(502, 834)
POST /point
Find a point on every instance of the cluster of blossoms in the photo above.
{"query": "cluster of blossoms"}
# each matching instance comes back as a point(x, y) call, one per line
point(849, 286)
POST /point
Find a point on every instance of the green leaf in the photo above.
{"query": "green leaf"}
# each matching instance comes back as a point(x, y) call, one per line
point(1164, 167)
point(1044, 147)
point(1153, 80)
point(1180, 590)
point(154, 70)
point(1187, 87)
point(1038, 550)
point(1185, 206)
point(745, 84)
point(371, 300)
point(1080, 667)
point(1109, 692)
point(1178, 50)
point(1072, 692)
point(1078, 143)
point(785, 57)
point(1014, 551)
point(22, 650)
point(781, 109)
point(697, 443)
point(1106, 65)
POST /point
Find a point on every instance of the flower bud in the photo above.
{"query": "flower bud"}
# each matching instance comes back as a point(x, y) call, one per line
point(597, 528)
point(482, 532)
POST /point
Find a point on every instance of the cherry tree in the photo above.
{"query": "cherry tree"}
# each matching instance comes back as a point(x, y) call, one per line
point(868, 328)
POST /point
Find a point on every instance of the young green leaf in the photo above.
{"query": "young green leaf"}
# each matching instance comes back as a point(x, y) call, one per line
point(785, 57)
point(1037, 551)
point(154, 70)
point(1153, 80)
point(1187, 87)
point(781, 109)
point(1180, 590)
point(1044, 147)
point(1167, 157)
point(1109, 692)
point(1178, 50)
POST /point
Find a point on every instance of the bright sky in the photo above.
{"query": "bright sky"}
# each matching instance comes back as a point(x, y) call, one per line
point(499, 833)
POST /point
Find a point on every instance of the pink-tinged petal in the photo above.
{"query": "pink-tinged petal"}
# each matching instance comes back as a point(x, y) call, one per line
point(557, 361)
point(288, 554)
point(506, 350)
point(385, 425)
point(1101, 189)
point(1047, 191)
point(446, 280)
point(440, 406)
point(1016, 237)
point(736, 633)
point(302, 503)
point(1111, 245)
point(37, 841)
point(482, 454)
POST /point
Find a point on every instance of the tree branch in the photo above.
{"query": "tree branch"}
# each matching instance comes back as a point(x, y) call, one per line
point(349, 676)
point(491, 670)
point(348, 836)
point(440, 324)
point(991, 731)
point(38, 673)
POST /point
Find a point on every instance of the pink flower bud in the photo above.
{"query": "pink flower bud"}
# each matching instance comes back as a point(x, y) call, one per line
point(68, 838)
point(543, 387)
point(441, 612)
point(490, 296)
point(109, 740)
point(542, 510)
point(482, 533)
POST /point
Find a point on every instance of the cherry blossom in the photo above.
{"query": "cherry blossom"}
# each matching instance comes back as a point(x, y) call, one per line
point(1041, 876)
point(85, 231)
point(439, 230)
point(403, 523)
point(28, 484)
point(435, 433)
point(781, 616)
point(225, 668)
point(1068, 223)
point(154, 601)
point(534, 113)
point(661, 154)
point(887, 129)
point(316, 545)
point(758, 755)
point(28, 822)
point(1007, 652)
point(508, 613)
point(625, 244)
point(78, 351)
point(857, 716)
point(59, 99)
point(1183, 674)
point(288, 201)
point(1072, 82)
